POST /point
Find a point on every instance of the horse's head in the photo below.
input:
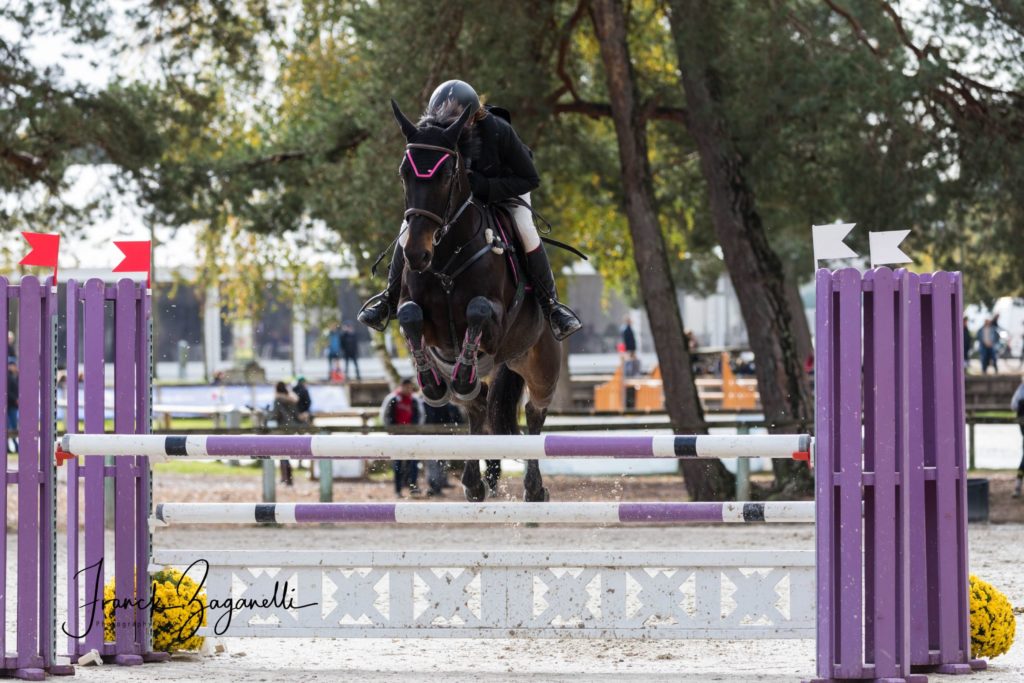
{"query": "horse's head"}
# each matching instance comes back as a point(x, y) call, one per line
point(435, 181)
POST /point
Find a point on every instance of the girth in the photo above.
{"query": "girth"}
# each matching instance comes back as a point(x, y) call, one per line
point(447, 276)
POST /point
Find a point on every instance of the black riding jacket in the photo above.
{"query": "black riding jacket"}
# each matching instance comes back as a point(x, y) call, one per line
point(503, 167)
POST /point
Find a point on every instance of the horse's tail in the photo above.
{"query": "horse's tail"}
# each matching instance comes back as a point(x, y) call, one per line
point(503, 401)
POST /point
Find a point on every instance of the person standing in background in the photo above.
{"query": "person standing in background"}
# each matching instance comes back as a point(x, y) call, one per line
point(1017, 406)
point(437, 470)
point(967, 343)
point(333, 352)
point(305, 402)
point(628, 336)
point(12, 402)
point(286, 413)
point(350, 348)
point(631, 368)
point(400, 407)
point(988, 345)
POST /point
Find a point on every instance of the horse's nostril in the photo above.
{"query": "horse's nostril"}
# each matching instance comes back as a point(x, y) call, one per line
point(425, 258)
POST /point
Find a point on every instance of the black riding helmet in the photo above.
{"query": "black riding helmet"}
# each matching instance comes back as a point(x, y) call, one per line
point(456, 90)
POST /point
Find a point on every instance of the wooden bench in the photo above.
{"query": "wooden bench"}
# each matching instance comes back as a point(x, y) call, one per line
point(727, 393)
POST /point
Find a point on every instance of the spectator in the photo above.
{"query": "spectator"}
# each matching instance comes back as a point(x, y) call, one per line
point(691, 347)
point(1020, 364)
point(305, 403)
point(988, 345)
point(333, 352)
point(11, 353)
point(631, 368)
point(437, 470)
point(350, 348)
point(286, 413)
point(1017, 406)
point(967, 343)
point(12, 402)
point(401, 407)
point(628, 337)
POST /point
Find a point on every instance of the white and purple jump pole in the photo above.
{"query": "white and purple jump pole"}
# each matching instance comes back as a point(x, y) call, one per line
point(800, 512)
point(434, 447)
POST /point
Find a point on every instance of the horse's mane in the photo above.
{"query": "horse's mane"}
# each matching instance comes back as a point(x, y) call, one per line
point(443, 116)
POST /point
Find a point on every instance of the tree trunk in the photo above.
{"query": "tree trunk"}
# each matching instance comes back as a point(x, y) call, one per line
point(801, 328)
point(708, 479)
point(380, 349)
point(755, 269)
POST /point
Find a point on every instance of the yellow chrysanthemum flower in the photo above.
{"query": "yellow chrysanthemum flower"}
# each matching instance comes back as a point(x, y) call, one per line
point(176, 610)
point(992, 622)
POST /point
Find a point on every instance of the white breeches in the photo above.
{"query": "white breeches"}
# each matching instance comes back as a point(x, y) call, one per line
point(522, 217)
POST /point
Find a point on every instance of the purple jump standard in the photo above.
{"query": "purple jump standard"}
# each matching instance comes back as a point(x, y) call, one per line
point(486, 513)
point(435, 447)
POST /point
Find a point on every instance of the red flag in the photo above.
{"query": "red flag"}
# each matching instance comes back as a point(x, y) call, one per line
point(136, 258)
point(45, 246)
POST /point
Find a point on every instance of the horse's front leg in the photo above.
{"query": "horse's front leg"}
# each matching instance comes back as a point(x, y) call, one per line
point(432, 384)
point(481, 320)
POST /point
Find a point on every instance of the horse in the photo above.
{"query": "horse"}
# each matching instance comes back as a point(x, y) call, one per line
point(476, 334)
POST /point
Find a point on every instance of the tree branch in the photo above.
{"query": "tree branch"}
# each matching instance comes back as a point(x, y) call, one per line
point(563, 51)
point(858, 30)
point(332, 155)
point(897, 22)
point(596, 110)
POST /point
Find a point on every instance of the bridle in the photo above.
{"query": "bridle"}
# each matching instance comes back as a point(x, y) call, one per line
point(445, 223)
point(449, 272)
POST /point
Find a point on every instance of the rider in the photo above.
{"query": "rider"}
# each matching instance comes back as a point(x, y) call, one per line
point(501, 169)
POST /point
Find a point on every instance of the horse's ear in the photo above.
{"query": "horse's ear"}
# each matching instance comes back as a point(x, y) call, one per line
point(408, 128)
point(452, 132)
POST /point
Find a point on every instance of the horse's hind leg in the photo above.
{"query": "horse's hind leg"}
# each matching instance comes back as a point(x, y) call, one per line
point(472, 484)
point(465, 382)
point(492, 474)
point(540, 371)
point(435, 389)
point(533, 484)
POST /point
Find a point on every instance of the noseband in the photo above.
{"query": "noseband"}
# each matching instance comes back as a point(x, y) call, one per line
point(445, 223)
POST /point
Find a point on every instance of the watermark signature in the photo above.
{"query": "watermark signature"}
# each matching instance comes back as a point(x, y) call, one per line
point(188, 599)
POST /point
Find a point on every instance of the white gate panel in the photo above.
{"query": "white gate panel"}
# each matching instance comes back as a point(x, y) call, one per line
point(527, 594)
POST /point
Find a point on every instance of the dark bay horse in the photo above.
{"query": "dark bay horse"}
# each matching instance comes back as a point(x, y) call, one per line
point(474, 335)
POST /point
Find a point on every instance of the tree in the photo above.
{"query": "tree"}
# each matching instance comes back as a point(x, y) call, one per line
point(754, 267)
point(705, 480)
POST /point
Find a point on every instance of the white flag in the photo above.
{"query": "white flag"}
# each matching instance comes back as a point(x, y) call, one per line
point(828, 241)
point(885, 247)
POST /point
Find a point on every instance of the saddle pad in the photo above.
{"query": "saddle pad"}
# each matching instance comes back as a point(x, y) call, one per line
point(509, 235)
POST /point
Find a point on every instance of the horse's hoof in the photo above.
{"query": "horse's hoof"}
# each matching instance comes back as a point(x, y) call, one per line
point(469, 395)
point(542, 498)
point(476, 494)
point(435, 395)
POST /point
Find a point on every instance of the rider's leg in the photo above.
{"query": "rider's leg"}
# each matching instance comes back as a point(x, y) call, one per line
point(378, 310)
point(561, 318)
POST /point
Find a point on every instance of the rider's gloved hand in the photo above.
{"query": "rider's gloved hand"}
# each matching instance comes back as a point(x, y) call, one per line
point(479, 185)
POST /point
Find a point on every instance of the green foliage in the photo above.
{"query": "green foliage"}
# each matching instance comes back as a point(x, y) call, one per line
point(257, 118)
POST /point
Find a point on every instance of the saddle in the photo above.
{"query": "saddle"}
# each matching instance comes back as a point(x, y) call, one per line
point(505, 240)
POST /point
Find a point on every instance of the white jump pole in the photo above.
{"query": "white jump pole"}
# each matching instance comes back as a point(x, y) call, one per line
point(435, 447)
point(487, 513)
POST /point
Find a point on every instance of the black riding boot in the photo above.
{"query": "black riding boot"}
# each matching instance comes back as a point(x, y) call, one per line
point(561, 318)
point(378, 310)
